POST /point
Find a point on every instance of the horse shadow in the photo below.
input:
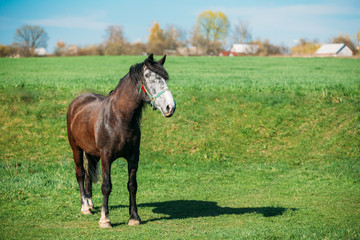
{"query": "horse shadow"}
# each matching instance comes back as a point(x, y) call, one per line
point(183, 209)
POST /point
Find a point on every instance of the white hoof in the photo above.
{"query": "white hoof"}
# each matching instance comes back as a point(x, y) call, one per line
point(134, 222)
point(104, 220)
point(86, 211)
point(105, 224)
point(86, 206)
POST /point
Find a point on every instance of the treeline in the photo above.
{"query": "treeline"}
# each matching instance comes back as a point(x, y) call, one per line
point(159, 41)
point(208, 37)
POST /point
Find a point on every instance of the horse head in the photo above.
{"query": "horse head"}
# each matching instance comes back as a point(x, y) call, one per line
point(157, 93)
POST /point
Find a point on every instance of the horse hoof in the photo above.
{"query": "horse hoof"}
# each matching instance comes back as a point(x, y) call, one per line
point(105, 223)
point(86, 211)
point(134, 222)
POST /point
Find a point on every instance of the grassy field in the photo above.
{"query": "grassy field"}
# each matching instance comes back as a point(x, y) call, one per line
point(259, 148)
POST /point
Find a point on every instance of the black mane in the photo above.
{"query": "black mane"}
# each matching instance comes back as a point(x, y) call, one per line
point(136, 71)
point(157, 68)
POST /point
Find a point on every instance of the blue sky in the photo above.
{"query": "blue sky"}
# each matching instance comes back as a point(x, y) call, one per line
point(84, 22)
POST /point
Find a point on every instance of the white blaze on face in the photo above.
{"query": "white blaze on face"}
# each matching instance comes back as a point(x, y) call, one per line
point(155, 84)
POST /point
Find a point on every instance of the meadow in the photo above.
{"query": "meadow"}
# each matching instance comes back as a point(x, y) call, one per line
point(258, 148)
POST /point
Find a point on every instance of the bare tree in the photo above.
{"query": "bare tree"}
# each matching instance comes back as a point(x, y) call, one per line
point(347, 40)
point(268, 49)
point(242, 32)
point(115, 43)
point(115, 33)
point(174, 37)
point(31, 37)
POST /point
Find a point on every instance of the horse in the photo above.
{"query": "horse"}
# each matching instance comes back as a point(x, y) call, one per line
point(104, 128)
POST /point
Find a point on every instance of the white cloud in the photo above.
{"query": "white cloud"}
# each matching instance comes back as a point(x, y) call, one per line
point(312, 10)
point(313, 20)
point(71, 23)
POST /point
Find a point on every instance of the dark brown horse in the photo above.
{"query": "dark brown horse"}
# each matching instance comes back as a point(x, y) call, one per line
point(108, 127)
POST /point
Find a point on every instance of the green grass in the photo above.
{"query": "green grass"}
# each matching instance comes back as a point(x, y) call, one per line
point(259, 148)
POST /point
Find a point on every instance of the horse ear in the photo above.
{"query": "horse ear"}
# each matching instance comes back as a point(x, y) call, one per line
point(151, 57)
point(162, 61)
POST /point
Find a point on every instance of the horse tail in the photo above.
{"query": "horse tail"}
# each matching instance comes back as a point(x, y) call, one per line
point(91, 167)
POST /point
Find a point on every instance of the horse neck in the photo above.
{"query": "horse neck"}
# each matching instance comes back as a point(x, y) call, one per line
point(126, 101)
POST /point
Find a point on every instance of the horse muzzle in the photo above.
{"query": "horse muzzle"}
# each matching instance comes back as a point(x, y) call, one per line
point(170, 110)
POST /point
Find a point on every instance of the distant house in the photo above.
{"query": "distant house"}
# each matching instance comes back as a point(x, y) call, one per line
point(334, 50)
point(40, 52)
point(224, 53)
point(243, 49)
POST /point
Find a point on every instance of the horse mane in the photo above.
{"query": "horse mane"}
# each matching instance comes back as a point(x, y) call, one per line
point(157, 68)
point(136, 72)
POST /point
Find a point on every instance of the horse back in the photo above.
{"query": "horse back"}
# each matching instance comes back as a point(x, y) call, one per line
point(88, 100)
point(82, 115)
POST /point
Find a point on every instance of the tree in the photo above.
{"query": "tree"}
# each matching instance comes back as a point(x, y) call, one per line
point(115, 43)
point(213, 25)
point(305, 48)
point(156, 40)
point(137, 48)
point(31, 37)
point(4, 51)
point(357, 40)
point(197, 39)
point(60, 48)
point(211, 31)
point(156, 33)
point(115, 34)
point(268, 49)
point(174, 37)
point(242, 32)
point(347, 40)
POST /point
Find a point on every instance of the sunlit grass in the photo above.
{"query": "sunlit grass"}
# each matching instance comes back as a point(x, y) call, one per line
point(258, 148)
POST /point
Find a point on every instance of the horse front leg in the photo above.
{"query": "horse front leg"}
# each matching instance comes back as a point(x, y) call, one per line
point(132, 187)
point(106, 190)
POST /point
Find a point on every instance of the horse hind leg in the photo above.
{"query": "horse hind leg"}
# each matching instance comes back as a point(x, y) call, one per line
point(80, 177)
point(91, 167)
